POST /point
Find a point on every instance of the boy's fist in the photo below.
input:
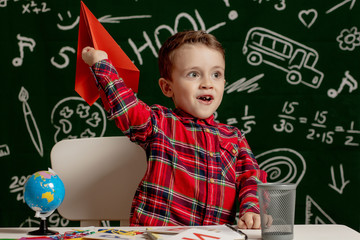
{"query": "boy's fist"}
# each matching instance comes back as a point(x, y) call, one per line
point(92, 56)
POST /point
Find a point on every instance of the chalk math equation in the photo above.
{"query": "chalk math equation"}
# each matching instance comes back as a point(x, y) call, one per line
point(318, 129)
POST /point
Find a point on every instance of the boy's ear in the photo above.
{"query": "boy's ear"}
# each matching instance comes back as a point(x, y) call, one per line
point(166, 87)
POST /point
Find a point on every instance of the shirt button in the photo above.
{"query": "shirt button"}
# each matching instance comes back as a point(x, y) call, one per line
point(212, 180)
point(207, 130)
point(211, 154)
point(234, 151)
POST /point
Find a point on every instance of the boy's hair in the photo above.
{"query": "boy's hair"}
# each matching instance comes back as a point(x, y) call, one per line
point(179, 39)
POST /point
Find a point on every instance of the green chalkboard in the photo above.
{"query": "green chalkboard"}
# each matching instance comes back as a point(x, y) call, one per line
point(292, 86)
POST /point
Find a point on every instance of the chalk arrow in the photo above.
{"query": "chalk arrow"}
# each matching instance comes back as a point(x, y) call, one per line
point(343, 183)
point(340, 4)
point(109, 19)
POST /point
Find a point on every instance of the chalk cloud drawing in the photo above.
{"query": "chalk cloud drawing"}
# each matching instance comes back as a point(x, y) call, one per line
point(72, 117)
point(30, 121)
point(349, 39)
point(23, 43)
point(347, 80)
point(308, 17)
point(283, 165)
point(314, 214)
point(343, 183)
point(297, 60)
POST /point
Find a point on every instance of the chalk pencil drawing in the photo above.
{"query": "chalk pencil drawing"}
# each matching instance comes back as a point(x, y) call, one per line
point(314, 214)
point(342, 184)
point(73, 118)
point(30, 121)
point(23, 42)
point(352, 3)
point(297, 60)
point(347, 80)
point(349, 39)
point(283, 165)
point(308, 17)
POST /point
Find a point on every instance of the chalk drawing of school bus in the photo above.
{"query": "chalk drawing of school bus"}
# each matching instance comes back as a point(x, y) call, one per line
point(297, 60)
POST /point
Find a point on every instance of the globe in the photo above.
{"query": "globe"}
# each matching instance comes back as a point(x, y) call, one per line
point(44, 191)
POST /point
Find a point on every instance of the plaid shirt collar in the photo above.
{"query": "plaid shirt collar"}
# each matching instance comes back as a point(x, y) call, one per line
point(186, 117)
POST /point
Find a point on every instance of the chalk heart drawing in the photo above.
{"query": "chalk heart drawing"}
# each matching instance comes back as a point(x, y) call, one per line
point(283, 165)
point(72, 117)
point(308, 17)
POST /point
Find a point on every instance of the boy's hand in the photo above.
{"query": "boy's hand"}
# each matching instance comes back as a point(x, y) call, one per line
point(249, 220)
point(92, 56)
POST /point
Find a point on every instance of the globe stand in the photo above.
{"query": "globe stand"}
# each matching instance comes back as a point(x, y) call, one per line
point(43, 230)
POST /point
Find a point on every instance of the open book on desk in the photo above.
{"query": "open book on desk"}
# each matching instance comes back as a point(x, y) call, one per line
point(222, 232)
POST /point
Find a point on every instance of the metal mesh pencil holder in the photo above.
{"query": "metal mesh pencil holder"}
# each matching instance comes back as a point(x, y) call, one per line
point(277, 210)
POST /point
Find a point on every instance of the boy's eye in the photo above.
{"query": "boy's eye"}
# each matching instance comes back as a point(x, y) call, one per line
point(216, 75)
point(193, 75)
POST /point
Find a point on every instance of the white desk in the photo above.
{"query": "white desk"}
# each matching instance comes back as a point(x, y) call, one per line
point(302, 232)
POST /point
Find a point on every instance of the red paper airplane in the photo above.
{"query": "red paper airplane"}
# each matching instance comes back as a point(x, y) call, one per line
point(92, 33)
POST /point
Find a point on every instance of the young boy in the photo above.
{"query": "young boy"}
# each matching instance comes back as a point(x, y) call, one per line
point(196, 167)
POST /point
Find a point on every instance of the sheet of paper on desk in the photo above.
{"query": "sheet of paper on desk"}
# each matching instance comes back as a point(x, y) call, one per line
point(187, 232)
point(198, 234)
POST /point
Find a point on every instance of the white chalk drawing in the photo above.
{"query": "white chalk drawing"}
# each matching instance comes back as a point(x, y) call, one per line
point(110, 19)
point(349, 39)
point(285, 123)
point(196, 24)
point(352, 3)
point(308, 17)
point(280, 5)
point(17, 186)
point(71, 25)
point(30, 121)
point(242, 84)
point(4, 150)
point(33, 7)
point(283, 165)
point(233, 14)
point(55, 220)
point(314, 213)
point(297, 60)
point(23, 42)
point(64, 56)
point(347, 80)
point(73, 118)
point(343, 183)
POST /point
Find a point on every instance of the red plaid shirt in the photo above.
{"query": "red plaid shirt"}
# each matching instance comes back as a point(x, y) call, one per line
point(196, 168)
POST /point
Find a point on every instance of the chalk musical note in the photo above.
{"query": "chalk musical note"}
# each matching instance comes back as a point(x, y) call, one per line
point(23, 42)
point(30, 121)
point(347, 80)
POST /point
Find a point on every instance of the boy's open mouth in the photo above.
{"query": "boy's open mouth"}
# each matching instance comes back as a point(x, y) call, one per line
point(205, 98)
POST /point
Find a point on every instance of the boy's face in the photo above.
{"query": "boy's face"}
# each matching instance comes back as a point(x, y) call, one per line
point(198, 81)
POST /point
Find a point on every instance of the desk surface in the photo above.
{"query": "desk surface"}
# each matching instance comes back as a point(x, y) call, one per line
point(302, 232)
